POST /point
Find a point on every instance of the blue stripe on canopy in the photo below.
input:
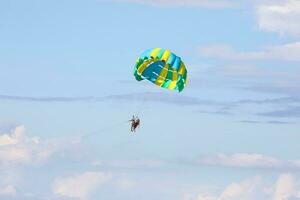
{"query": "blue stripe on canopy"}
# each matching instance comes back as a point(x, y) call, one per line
point(153, 70)
point(177, 63)
point(171, 59)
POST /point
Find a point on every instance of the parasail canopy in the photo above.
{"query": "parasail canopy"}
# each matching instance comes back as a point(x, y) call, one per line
point(161, 67)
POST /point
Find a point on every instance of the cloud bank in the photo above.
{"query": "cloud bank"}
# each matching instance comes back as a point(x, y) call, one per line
point(251, 161)
point(286, 187)
point(80, 186)
point(18, 148)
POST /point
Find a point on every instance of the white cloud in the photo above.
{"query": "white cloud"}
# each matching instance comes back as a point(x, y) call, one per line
point(198, 3)
point(129, 163)
point(248, 189)
point(18, 151)
point(281, 17)
point(285, 187)
point(125, 184)
point(18, 148)
point(80, 186)
point(206, 197)
point(285, 52)
point(243, 160)
point(243, 190)
point(14, 137)
point(8, 190)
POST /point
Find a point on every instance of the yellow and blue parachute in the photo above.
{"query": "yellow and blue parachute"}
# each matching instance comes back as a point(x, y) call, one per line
point(161, 67)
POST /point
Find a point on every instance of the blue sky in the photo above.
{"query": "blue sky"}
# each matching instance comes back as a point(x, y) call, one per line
point(67, 91)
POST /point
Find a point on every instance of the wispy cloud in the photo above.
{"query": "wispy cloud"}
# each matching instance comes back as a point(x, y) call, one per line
point(285, 52)
point(194, 3)
point(282, 17)
point(278, 122)
point(282, 100)
point(8, 190)
point(284, 107)
point(251, 161)
point(131, 164)
point(290, 88)
point(145, 97)
point(287, 112)
point(237, 160)
point(245, 70)
point(159, 97)
point(217, 112)
point(163, 97)
point(204, 105)
point(250, 121)
point(219, 107)
point(264, 122)
point(48, 99)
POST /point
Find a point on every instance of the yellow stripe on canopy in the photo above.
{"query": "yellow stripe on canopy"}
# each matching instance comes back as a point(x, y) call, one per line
point(143, 66)
point(162, 76)
point(172, 85)
point(166, 55)
point(155, 52)
point(181, 69)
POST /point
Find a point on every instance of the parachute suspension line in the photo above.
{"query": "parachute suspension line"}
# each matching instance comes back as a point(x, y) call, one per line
point(162, 68)
point(142, 104)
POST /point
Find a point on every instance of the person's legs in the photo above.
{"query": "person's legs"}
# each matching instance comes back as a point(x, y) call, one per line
point(135, 126)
